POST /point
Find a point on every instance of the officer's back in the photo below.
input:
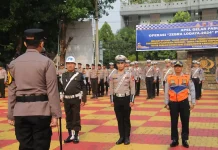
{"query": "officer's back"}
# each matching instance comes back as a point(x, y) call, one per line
point(33, 101)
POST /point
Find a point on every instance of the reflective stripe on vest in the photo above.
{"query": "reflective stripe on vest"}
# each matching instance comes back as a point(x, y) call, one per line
point(178, 87)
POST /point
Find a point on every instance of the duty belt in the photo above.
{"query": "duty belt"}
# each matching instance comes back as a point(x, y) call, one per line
point(32, 98)
point(121, 95)
point(72, 96)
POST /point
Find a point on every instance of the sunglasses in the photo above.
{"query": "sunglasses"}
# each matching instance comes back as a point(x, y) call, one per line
point(120, 62)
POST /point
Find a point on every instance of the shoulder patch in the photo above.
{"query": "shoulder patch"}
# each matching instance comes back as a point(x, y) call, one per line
point(9, 78)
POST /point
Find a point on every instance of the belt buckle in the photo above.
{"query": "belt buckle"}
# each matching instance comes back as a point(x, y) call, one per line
point(119, 95)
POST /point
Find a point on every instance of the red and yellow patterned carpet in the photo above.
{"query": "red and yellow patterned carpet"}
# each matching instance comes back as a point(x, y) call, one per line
point(150, 126)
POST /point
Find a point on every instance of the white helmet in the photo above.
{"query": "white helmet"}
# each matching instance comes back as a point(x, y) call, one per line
point(70, 59)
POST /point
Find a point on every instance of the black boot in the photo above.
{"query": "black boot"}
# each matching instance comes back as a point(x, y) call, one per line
point(185, 144)
point(120, 141)
point(76, 137)
point(126, 141)
point(70, 137)
point(174, 143)
point(93, 96)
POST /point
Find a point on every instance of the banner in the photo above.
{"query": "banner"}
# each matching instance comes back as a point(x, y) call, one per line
point(177, 36)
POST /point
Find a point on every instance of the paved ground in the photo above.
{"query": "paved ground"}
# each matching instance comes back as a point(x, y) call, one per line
point(150, 126)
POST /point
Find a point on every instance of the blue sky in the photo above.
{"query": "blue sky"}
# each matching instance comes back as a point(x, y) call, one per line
point(113, 18)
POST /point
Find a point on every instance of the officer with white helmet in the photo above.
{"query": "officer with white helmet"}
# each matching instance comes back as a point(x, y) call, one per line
point(73, 93)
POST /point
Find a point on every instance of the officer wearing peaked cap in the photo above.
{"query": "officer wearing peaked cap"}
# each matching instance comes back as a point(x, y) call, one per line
point(138, 76)
point(33, 102)
point(177, 89)
point(202, 78)
point(196, 76)
point(122, 91)
point(111, 70)
point(73, 93)
point(150, 78)
point(156, 84)
point(168, 70)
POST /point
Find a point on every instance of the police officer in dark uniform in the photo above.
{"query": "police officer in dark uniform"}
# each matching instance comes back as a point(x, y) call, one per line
point(73, 94)
point(33, 101)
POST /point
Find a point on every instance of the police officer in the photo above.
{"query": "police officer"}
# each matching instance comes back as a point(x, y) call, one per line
point(87, 74)
point(138, 73)
point(74, 95)
point(177, 89)
point(127, 66)
point(156, 84)
point(61, 69)
point(122, 90)
point(216, 76)
point(111, 69)
point(93, 80)
point(33, 101)
point(168, 70)
point(106, 78)
point(3, 79)
point(196, 78)
point(79, 69)
point(202, 78)
point(150, 78)
point(101, 79)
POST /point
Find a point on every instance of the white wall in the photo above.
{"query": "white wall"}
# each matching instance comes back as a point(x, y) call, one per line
point(81, 47)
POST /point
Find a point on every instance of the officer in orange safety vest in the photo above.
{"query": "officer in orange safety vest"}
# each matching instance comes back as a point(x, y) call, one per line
point(177, 89)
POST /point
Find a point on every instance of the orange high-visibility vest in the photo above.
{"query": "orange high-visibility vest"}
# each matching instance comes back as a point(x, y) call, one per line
point(178, 87)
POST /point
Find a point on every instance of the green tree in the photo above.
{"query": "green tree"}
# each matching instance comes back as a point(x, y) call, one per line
point(18, 15)
point(106, 34)
point(181, 16)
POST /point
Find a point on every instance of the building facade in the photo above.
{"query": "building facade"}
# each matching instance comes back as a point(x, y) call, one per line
point(159, 11)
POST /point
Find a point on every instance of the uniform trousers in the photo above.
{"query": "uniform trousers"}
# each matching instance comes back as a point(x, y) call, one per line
point(181, 109)
point(156, 86)
point(88, 86)
point(72, 111)
point(200, 91)
point(164, 85)
point(33, 132)
point(196, 82)
point(123, 111)
point(137, 86)
point(101, 87)
point(149, 86)
point(94, 85)
point(2, 87)
point(106, 85)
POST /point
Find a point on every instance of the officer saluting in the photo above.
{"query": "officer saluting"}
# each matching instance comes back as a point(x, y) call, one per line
point(73, 92)
point(33, 102)
point(177, 89)
point(122, 90)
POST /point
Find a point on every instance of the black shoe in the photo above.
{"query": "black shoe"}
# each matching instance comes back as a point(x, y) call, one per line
point(69, 139)
point(92, 97)
point(185, 144)
point(76, 140)
point(120, 141)
point(126, 141)
point(174, 143)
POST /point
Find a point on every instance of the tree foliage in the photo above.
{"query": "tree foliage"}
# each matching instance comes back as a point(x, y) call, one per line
point(181, 16)
point(50, 15)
